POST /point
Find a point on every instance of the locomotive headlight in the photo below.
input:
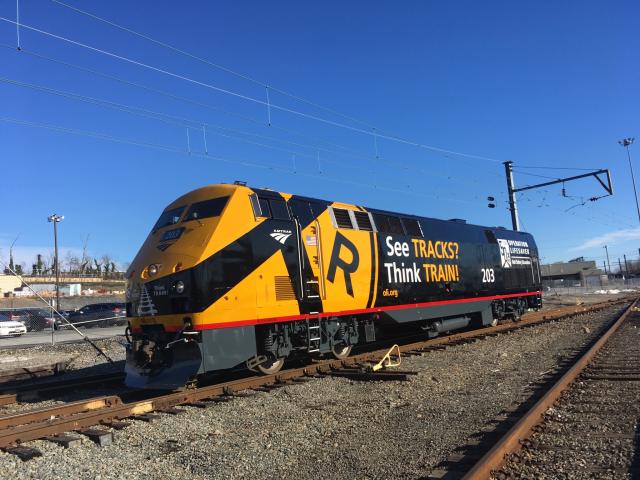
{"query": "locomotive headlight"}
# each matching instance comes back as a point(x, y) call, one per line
point(179, 286)
point(152, 270)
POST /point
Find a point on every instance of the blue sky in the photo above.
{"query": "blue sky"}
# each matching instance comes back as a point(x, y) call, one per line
point(542, 84)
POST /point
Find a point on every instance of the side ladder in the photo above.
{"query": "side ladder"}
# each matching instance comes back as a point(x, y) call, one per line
point(314, 334)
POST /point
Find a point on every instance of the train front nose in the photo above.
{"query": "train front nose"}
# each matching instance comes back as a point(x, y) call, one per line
point(153, 364)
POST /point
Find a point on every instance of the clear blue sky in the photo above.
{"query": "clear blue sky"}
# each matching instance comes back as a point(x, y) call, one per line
point(542, 84)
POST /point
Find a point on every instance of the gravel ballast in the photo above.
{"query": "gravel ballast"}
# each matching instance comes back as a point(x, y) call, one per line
point(331, 427)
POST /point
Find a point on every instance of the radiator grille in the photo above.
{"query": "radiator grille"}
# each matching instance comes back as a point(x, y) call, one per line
point(284, 289)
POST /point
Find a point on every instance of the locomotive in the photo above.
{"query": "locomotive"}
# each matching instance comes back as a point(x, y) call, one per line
point(237, 277)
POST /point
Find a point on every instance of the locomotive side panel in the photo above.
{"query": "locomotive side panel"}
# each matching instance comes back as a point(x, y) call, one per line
point(231, 274)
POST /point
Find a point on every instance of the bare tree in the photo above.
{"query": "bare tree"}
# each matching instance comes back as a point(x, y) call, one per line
point(85, 261)
point(98, 266)
point(72, 262)
point(106, 260)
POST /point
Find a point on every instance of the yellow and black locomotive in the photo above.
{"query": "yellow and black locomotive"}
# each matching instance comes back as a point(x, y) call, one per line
point(235, 276)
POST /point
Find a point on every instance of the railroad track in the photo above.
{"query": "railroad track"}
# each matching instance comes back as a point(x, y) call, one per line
point(30, 391)
point(585, 425)
point(97, 417)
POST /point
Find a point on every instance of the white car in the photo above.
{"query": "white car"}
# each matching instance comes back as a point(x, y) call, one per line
point(10, 328)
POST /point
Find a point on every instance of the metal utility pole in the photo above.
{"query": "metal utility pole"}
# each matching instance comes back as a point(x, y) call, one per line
point(626, 143)
point(608, 262)
point(55, 219)
point(620, 266)
point(513, 208)
point(626, 265)
point(604, 264)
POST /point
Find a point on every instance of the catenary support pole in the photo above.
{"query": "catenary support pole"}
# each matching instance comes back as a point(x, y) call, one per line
point(608, 261)
point(513, 207)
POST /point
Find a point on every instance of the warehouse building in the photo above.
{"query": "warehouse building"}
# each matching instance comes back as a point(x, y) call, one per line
point(574, 273)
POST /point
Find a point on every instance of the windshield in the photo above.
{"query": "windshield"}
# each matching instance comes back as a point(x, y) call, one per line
point(169, 217)
point(208, 208)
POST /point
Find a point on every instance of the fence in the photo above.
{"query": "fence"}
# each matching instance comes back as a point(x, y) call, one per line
point(610, 285)
point(34, 319)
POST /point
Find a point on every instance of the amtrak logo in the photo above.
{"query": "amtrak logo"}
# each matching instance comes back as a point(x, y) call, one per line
point(280, 235)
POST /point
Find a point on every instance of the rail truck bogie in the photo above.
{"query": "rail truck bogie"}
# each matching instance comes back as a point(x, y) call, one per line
point(236, 276)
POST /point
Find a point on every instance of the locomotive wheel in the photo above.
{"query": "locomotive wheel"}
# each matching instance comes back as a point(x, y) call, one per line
point(341, 350)
point(271, 366)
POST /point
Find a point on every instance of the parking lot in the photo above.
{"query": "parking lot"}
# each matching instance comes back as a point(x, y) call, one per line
point(47, 337)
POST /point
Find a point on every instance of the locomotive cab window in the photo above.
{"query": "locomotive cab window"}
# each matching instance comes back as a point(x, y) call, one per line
point(278, 209)
point(255, 205)
point(264, 208)
point(269, 208)
point(169, 217)
point(206, 209)
point(412, 227)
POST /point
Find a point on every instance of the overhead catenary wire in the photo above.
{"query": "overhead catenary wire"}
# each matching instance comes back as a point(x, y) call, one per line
point(446, 152)
point(185, 78)
point(196, 123)
point(317, 141)
point(214, 64)
point(18, 24)
point(177, 150)
point(557, 168)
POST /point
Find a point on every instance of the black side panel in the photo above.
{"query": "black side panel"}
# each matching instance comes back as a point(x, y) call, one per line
point(227, 347)
point(429, 313)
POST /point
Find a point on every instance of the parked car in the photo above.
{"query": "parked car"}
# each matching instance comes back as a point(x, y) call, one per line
point(35, 319)
point(96, 315)
point(16, 315)
point(10, 328)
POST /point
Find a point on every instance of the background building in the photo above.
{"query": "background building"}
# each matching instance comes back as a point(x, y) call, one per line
point(574, 273)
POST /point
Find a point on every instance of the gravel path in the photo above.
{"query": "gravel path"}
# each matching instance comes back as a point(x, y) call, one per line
point(330, 427)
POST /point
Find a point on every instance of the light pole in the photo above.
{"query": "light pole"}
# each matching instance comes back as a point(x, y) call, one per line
point(55, 219)
point(626, 143)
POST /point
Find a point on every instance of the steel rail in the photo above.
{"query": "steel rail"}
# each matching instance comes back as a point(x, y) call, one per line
point(76, 416)
point(29, 390)
point(512, 440)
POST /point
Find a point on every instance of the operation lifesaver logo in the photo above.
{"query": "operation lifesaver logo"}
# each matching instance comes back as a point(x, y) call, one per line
point(514, 252)
point(427, 271)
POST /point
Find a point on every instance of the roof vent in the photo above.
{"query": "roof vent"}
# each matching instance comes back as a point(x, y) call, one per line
point(240, 182)
point(457, 220)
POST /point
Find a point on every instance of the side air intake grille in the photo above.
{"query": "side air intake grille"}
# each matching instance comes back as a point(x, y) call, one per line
point(284, 289)
point(342, 218)
point(363, 221)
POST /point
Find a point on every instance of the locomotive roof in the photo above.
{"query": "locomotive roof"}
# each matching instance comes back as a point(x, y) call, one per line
point(274, 193)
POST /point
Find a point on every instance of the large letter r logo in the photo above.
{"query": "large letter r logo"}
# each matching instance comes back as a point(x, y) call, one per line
point(337, 262)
